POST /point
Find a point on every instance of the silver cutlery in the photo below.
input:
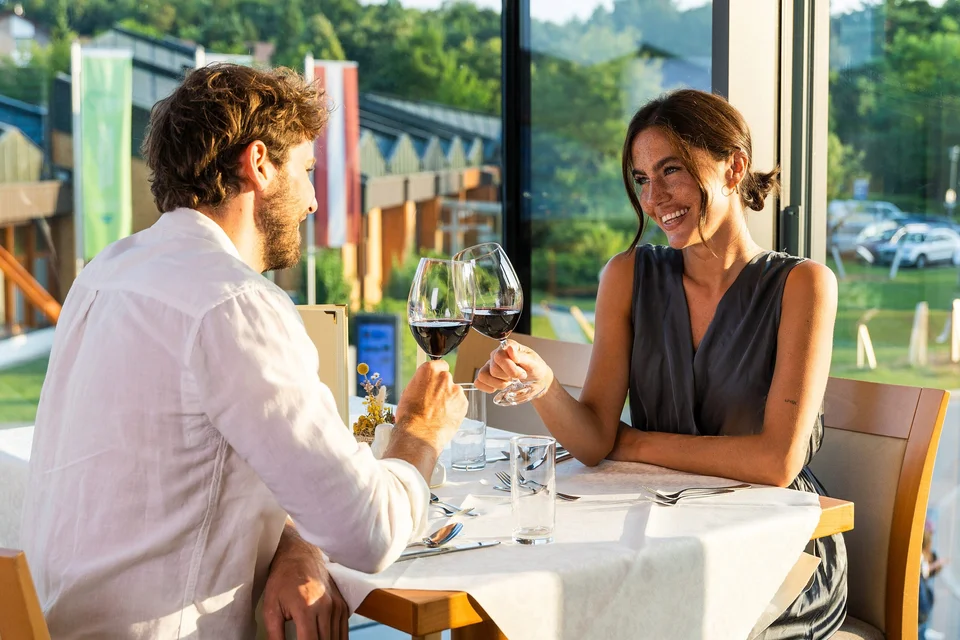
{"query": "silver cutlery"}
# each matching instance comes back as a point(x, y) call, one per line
point(439, 537)
point(672, 502)
point(562, 454)
point(690, 491)
point(439, 551)
point(450, 509)
point(536, 487)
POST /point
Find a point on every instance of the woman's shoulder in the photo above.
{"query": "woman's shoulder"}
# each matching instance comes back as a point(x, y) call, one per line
point(639, 258)
point(809, 282)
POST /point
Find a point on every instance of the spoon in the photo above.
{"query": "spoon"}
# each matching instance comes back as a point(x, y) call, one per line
point(439, 537)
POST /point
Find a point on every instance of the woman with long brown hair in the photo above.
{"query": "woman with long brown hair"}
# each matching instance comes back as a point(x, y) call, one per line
point(724, 348)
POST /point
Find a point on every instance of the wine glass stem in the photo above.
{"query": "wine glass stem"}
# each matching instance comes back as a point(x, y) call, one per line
point(516, 381)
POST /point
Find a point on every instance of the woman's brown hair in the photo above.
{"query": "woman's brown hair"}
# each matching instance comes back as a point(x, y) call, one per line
point(691, 118)
point(197, 133)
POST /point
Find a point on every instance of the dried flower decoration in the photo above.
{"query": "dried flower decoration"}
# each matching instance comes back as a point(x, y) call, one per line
point(376, 397)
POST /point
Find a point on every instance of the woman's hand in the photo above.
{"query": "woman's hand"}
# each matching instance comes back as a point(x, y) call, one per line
point(514, 362)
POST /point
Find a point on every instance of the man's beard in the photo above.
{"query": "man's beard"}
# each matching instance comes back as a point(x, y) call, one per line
point(279, 229)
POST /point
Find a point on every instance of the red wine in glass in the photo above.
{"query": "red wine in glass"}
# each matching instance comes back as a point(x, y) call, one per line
point(439, 337)
point(496, 322)
point(497, 306)
point(440, 305)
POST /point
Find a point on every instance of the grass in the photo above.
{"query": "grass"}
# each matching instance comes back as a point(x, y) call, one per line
point(870, 288)
point(20, 391)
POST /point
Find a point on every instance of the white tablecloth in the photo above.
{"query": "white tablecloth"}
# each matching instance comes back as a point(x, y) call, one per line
point(15, 447)
point(620, 566)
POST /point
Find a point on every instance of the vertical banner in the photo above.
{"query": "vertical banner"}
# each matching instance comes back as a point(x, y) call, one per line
point(337, 176)
point(103, 102)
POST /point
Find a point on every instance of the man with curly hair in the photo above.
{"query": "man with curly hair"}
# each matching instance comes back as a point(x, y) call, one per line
point(182, 429)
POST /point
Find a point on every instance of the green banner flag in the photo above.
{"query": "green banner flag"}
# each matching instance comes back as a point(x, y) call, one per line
point(106, 114)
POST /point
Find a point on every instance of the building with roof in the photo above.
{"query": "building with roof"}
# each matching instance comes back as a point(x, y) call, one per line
point(415, 160)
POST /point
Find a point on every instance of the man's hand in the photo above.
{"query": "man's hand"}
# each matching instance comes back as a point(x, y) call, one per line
point(432, 405)
point(299, 588)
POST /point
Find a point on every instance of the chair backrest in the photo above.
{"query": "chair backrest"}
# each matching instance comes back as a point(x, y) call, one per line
point(326, 324)
point(20, 614)
point(568, 360)
point(878, 450)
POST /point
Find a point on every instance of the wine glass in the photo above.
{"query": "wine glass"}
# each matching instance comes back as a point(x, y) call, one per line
point(440, 305)
point(499, 301)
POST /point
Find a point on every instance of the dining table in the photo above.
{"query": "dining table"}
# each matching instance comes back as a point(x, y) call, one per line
point(620, 566)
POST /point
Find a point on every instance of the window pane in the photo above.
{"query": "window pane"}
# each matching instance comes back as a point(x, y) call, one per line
point(593, 64)
point(892, 177)
point(428, 115)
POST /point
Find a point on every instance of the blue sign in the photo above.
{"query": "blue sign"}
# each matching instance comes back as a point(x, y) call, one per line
point(861, 187)
point(378, 345)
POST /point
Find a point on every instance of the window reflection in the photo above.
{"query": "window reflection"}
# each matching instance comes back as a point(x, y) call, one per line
point(589, 74)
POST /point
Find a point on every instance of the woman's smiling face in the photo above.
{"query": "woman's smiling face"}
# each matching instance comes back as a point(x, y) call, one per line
point(669, 193)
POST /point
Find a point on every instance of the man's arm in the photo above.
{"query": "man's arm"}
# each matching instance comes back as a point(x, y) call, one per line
point(256, 373)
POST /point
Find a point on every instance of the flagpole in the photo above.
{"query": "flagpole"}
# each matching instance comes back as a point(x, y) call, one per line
point(308, 75)
point(76, 67)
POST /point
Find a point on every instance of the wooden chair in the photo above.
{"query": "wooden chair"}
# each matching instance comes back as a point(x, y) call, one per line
point(567, 359)
point(326, 325)
point(878, 451)
point(20, 615)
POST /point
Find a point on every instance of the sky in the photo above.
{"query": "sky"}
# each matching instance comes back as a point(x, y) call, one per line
point(563, 10)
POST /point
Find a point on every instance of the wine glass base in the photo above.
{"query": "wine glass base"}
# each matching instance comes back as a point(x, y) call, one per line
point(518, 393)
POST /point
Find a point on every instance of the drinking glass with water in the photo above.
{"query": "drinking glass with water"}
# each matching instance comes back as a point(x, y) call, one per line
point(533, 488)
point(468, 449)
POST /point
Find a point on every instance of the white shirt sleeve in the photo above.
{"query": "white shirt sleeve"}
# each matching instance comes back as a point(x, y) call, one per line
point(256, 370)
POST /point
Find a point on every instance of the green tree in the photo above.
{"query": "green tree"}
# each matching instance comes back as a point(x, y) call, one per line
point(844, 164)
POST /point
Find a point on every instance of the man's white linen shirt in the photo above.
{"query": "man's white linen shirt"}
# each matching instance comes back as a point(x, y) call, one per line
point(180, 421)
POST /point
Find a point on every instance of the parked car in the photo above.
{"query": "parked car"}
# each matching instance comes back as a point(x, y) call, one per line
point(839, 210)
point(921, 245)
point(870, 247)
point(856, 228)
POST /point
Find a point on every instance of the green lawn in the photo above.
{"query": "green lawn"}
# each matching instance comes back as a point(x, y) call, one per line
point(20, 392)
point(866, 288)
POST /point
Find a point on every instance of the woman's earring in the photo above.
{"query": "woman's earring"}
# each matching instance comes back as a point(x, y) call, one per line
point(729, 193)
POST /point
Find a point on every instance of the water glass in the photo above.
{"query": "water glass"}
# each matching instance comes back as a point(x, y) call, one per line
point(533, 488)
point(468, 450)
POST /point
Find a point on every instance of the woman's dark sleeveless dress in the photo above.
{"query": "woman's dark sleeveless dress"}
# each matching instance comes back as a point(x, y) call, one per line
point(721, 389)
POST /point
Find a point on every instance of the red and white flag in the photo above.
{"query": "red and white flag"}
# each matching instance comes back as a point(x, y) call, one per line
point(337, 174)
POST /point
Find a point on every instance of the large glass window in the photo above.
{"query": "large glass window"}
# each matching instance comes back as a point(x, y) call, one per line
point(426, 118)
point(892, 225)
point(892, 232)
point(592, 66)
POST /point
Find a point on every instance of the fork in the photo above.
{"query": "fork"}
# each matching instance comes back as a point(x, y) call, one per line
point(656, 498)
point(537, 487)
point(682, 493)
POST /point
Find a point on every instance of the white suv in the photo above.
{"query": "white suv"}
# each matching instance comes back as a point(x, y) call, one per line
point(923, 245)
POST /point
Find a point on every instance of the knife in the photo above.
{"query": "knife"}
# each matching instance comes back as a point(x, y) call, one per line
point(465, 546)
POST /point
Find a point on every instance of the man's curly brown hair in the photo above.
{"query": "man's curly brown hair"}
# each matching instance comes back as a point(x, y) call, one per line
point(197, 133)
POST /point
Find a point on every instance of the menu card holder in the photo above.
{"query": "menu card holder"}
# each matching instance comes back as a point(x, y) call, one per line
point(326, 324)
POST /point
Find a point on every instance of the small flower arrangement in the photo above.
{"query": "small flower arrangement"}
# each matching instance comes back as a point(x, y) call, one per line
point(375, 400)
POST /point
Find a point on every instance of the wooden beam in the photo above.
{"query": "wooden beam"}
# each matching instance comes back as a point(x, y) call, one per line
point(30, 249)
point(9, 300)
point(14, 273)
